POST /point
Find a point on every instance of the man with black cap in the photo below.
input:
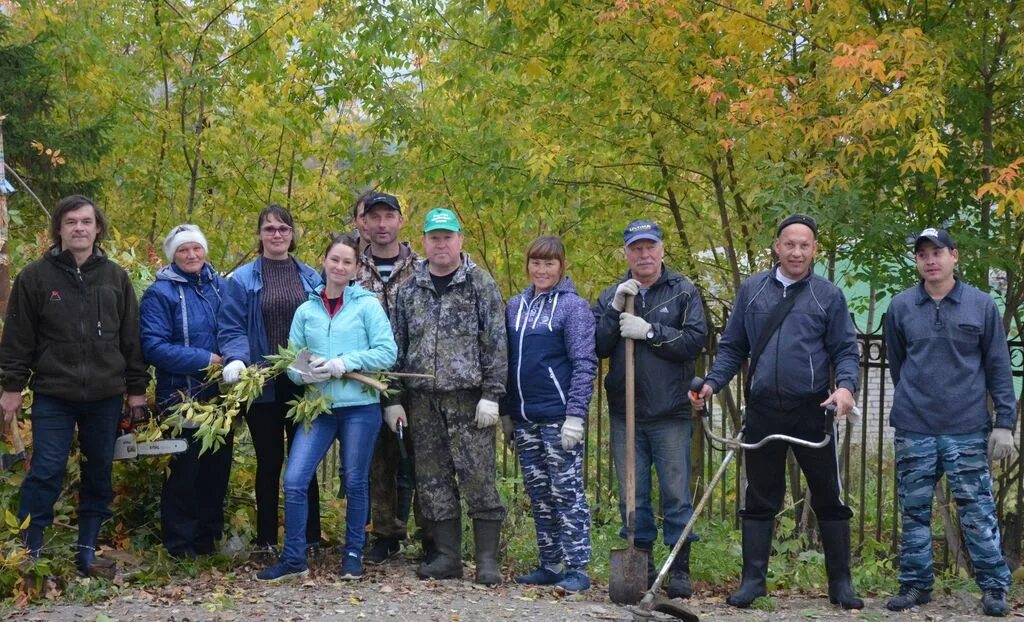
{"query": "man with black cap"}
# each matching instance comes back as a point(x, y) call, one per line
point(669, 331)
point(948, 356)
point(387, 262)
point(795, 328)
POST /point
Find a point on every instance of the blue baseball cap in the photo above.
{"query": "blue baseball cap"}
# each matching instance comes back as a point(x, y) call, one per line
point(642, 230)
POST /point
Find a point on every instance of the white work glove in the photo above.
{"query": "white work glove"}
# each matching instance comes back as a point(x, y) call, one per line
point(336, 367)
point(394, 414)
point(1001, 445)
point(233, 372)
point(486, 413)
point(633, 327)
point(508, 430)
point(572, 432)
point(318, 371)
point(626, 288)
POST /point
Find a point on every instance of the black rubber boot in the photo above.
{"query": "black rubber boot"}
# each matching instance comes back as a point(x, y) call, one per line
point(32, 539)
point(85, 556)
point(447, 563)
point(487, 536)
point(835, 540)
point(757, 548)
point(679, 574)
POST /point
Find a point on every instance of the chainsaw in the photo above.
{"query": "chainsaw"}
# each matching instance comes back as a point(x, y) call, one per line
point(127, 448)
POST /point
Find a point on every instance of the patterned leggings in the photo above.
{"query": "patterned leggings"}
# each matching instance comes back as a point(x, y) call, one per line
point(553, 477)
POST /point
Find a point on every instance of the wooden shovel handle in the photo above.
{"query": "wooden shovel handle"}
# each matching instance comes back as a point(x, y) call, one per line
point(630, 431)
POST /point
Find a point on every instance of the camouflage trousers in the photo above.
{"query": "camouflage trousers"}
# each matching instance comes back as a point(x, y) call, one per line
point(391, 486)
point(553, 478)
point(921, 460)
point(454, 458)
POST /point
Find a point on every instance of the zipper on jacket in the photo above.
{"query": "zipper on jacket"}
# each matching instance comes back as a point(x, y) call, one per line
point(99, 315)
point(810, 363)
point(82, 328)
point(558, 386)
point(519, 362)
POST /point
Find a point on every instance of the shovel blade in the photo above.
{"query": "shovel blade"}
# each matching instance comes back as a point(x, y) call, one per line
point(673, 608)
point(627, 576)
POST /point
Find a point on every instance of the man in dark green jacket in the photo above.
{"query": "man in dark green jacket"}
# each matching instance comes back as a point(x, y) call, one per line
point(72, 336)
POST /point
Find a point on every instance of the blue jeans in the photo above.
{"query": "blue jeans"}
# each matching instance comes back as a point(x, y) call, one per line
point(53, 429)
point(665, 445)
point(356, 427)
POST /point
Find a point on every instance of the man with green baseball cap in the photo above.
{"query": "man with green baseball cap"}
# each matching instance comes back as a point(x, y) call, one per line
point(441, 219)
point(450, 325)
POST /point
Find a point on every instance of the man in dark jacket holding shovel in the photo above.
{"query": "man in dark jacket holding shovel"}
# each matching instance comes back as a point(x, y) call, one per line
point(796, 329)
point(670, 331)
point(73, 328)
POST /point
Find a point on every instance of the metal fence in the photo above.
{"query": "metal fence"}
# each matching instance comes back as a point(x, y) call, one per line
point(866, 464)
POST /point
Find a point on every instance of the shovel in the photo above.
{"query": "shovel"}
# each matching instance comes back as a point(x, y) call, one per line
point(7, 461)
point(627, 577)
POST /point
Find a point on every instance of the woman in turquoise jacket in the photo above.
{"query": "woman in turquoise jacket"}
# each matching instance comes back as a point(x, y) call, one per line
point(345, 329)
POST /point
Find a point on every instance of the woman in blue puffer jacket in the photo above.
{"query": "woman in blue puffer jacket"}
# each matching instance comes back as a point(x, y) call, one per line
point(552, 365)
point(345, 328)
point(178, 322)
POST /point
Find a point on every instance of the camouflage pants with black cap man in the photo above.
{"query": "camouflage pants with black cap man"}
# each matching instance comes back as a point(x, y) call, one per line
point(921, 459)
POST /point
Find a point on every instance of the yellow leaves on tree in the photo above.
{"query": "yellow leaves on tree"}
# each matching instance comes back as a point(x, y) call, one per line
point(53, 155)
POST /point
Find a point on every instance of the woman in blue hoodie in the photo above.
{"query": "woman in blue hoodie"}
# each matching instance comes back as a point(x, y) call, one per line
point(178, 322)
point(552, 366)
point(345, 328)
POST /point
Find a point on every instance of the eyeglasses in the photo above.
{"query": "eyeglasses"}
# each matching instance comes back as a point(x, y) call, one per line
point(271, 230)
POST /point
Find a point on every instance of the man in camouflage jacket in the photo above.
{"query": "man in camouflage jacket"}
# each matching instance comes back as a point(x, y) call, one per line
point(449, 323)
point(386, 264)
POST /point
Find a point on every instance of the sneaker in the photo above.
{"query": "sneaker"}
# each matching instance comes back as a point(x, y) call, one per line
point(908, 597)
point(541, 576)
point(351, 567)
point(282, 572)
point(993, 602)
point(575, 581)
point(382, 550)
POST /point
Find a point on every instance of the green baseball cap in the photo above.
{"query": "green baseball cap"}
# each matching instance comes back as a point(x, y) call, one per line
point(442, 219)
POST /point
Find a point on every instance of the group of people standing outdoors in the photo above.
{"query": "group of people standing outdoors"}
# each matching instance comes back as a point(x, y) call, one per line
point(76, 336)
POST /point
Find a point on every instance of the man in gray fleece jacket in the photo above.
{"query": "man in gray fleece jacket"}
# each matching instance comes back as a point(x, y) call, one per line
point(947, 356)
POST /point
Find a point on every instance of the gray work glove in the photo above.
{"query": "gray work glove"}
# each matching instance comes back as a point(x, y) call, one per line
point(633, 327)
point(486, 413)
point(626, 288)
point(233, 372)
point(1001, 444)
point(572, 432)
point(394, 414)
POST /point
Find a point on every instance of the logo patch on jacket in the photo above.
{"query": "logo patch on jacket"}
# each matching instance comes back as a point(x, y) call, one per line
point(663, 310)
point(55, 296)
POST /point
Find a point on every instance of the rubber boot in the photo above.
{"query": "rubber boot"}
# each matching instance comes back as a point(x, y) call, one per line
point(679, 574)
point(426, 537)
point(835, 540)
point(32, 539)
point(85, 556)
point(486, 536)
point(447, 564)
point(757, 548)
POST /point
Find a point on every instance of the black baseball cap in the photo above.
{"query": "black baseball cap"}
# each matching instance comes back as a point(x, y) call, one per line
point(798, 219)
point(938, 237)
point(380, 198)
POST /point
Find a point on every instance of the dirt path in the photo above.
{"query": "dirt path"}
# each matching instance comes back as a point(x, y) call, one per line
point(392, 592)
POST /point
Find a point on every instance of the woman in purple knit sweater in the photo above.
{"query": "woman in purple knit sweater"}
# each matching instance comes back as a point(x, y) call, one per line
point(552, 365)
